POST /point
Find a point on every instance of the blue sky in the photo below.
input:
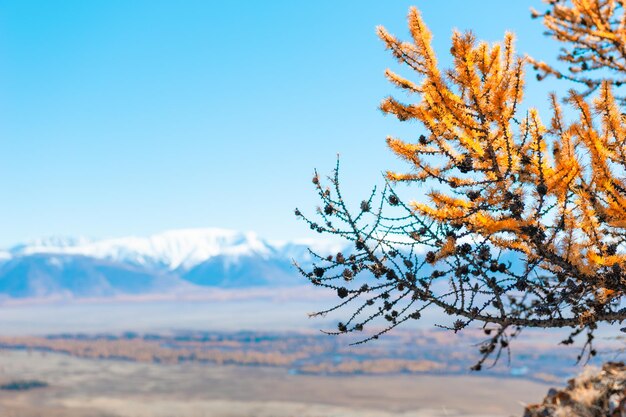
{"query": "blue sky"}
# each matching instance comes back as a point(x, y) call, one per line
point(133, 117)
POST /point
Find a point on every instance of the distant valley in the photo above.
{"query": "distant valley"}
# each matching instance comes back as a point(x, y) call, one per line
point(433, 351)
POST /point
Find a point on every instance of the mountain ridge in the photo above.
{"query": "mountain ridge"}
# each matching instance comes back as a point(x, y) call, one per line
point(160, 263)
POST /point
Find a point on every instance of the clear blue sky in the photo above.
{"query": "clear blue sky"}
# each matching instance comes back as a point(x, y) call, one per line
point(131, 117)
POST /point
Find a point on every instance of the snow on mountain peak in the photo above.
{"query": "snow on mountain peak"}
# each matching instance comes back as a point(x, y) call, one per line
point(53, 241)
point(172, 249)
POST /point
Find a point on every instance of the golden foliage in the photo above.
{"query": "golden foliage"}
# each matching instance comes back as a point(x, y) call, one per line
point(553, 192)
point(523, 217)
point(593, 34)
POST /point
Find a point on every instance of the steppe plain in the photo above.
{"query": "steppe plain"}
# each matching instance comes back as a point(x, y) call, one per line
point(113, 388)
point(110, 387)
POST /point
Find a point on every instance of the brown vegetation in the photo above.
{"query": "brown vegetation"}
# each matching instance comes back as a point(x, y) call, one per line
point(413, 352)
point(142, 350)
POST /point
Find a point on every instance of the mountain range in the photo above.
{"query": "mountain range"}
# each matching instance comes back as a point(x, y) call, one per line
point(165, 263)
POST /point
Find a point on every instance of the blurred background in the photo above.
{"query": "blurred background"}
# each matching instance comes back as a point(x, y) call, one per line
point(152, 156)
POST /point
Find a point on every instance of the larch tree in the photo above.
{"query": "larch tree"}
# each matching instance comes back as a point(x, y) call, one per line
point(519, 220)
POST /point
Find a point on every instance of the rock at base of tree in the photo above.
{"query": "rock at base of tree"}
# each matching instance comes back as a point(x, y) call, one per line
point(594, 393)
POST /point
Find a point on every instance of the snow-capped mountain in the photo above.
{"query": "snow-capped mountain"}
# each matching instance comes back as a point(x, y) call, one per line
point(165, 262)
point(171, 250)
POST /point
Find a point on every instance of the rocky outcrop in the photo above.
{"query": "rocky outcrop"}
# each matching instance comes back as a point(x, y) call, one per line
point(595, 393)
